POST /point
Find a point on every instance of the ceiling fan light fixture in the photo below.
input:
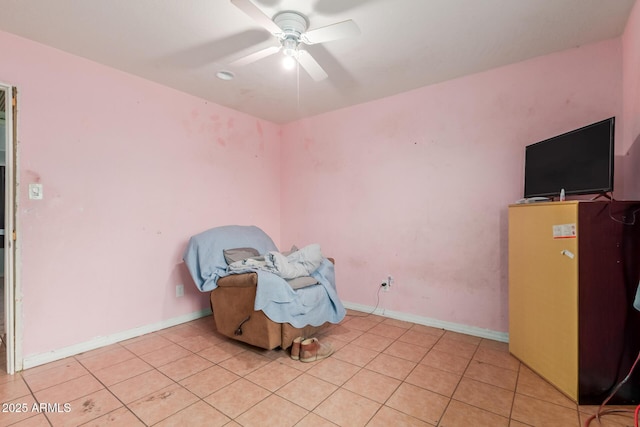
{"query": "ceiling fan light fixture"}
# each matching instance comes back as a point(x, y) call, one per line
point(290, 50)
point(289, 62)
point(289, 46)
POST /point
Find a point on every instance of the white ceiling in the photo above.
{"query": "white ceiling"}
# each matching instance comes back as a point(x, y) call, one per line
point(403, 45)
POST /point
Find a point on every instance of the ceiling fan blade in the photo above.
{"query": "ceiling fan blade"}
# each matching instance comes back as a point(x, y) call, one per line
point(255, 56)
point(339, 30)
point(311, 66)
point(254, 12)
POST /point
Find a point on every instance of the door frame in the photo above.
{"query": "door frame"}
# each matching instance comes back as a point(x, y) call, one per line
point(12, 303)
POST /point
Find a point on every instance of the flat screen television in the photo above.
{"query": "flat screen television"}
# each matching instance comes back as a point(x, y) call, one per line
point(580, 162)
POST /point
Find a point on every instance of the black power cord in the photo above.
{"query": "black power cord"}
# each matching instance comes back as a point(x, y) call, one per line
point(377, 302)
point(623, 220)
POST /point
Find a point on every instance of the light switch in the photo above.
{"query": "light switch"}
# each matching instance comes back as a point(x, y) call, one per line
point(35, 191)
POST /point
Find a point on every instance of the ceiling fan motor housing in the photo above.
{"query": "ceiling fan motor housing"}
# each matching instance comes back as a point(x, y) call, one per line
point(293, 25)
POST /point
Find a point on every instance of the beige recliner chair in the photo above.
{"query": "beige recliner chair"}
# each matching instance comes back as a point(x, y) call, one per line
point(232, 303)
point(235, 296)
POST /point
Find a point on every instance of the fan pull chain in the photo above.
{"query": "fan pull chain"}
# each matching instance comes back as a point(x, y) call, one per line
point(298, 85)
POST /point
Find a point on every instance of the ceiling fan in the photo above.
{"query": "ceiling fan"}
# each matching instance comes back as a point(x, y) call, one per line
point(290, 28)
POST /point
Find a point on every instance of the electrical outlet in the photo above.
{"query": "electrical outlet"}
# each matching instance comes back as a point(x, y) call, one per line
point(179, 290)
point(387, 285)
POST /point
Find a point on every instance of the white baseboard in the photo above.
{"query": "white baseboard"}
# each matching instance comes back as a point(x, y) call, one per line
point(427, 321)
point(52, 356)
point(97, 342)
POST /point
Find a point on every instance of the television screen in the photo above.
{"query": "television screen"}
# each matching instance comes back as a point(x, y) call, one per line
point(580, 162)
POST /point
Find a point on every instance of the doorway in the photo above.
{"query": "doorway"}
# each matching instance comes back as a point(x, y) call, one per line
point(8, 340)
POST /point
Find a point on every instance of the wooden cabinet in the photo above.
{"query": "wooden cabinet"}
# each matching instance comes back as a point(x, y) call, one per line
point(574, 269)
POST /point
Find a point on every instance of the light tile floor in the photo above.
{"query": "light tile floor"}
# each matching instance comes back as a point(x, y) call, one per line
point(384, 372)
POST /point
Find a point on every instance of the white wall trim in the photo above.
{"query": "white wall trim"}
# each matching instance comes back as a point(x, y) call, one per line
point(52, 356)
point(427, 321)
point(97, 342)
point(12, 290)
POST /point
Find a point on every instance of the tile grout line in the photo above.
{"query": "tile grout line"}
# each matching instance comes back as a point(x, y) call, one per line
point(493, 385)
point(35, 399)
point(269, 358)
point(174, 382)
point(458, 384)
point(360, 368)
point(110, 392)
point(403, 380)
point(515, 392)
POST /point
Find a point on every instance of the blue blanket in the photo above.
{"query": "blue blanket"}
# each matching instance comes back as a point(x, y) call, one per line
point(312, 305)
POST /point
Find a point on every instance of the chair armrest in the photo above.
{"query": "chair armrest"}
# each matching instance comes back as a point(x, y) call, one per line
point(244, 280)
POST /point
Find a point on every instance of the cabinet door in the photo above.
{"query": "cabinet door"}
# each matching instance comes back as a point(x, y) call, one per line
point(543, 291)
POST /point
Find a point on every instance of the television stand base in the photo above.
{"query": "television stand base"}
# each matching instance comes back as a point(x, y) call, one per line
point(605, 195)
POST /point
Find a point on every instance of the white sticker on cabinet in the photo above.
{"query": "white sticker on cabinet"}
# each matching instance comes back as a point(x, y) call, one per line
point(564, 231)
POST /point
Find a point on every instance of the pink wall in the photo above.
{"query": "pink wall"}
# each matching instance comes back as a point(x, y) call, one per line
point(417, 185)
point(631, 103)
point(130, 170)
